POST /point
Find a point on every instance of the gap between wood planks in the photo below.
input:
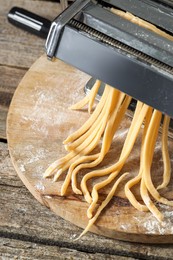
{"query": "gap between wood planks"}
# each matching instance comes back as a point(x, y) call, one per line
point(3, 140)
point(78, 247)
point(16, 249)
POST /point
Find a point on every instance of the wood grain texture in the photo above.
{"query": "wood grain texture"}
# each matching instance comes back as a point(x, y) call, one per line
point(39, 121)
point(16, 249)
point(3, 116)
point(9, 80)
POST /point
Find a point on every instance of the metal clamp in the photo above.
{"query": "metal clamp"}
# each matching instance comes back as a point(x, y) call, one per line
point(59, 23)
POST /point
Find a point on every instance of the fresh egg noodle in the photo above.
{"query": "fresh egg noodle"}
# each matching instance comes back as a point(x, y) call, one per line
point(105, 119)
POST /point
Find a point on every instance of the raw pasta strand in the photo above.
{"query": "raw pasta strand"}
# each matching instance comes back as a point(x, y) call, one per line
point(150, 205)
point(156, 118)
point(165, 154)
point(136, 20)
point(104, 204)
point(88, 99)
point(91, 119)
point(105, 111)
point(150, 139)
point(68, 176)
point(130, 196)
point(93, 95)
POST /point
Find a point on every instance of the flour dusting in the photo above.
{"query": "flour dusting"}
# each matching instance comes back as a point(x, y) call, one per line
point(152, 226)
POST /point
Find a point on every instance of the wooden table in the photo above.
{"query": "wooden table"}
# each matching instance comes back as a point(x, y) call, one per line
point(28, 230)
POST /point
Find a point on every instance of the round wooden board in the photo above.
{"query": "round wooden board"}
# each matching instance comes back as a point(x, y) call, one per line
point(38, 122)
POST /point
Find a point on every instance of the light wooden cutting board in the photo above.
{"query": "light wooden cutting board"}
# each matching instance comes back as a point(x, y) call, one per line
point(39, 120)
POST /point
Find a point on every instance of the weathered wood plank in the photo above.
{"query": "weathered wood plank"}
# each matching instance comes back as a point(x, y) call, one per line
point(17, 249)
point(25, 219)
point(9, 80)
point(48, 9)
point(8, 175)
point(3, 116)
point(17, 47)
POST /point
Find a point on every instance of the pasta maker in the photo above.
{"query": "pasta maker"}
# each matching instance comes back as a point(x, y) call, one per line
point(108, 47)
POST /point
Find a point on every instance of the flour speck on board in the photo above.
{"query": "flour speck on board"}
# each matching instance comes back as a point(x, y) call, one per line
point(22, 168)
point(39, 186)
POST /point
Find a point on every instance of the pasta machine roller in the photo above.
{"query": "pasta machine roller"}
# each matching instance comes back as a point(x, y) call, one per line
point(108, 47)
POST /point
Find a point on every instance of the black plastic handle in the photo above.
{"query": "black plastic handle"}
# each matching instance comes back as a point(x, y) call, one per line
point(29, 21)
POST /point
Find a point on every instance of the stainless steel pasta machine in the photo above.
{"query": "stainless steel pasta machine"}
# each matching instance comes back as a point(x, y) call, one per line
point(131, 58)
point(111, 48)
